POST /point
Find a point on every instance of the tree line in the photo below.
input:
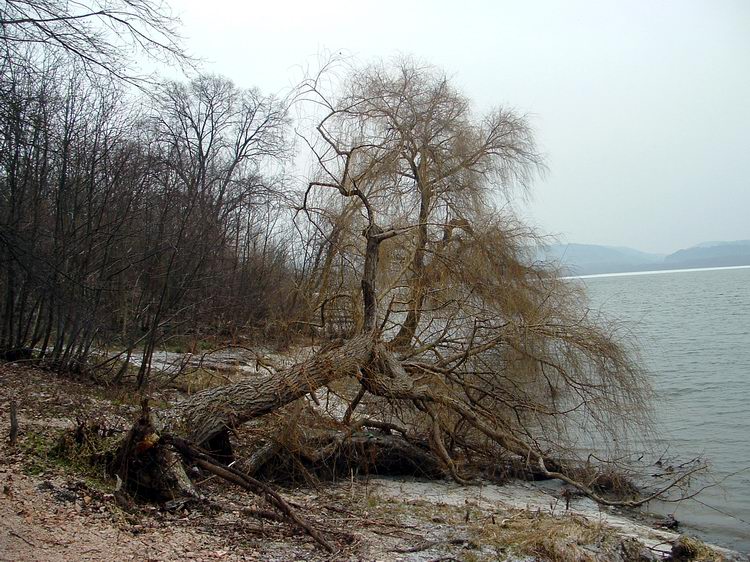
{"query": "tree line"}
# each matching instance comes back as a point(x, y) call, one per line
point(127, 218)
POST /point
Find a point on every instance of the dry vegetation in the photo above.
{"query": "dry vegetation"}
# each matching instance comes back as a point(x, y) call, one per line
point(129, 224)
point(56, 504)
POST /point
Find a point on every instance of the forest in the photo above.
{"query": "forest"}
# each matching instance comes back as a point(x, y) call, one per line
point(366, 216)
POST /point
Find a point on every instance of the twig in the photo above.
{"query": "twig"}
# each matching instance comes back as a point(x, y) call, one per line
point(13, 533)
point(13, 424)
point(263, 514)
point(206, 462)
point(424, 545)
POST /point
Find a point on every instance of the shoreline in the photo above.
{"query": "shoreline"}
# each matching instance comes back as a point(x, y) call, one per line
point(522, 495)
point(651, 272)
point(397, 518)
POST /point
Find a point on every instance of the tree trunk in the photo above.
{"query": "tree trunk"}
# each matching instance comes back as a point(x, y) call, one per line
point(153, 471)
point(211, 412)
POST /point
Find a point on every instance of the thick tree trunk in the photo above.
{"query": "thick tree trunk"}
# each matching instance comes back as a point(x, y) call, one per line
point(152, 470)
point(416, 298)
point(211, 412)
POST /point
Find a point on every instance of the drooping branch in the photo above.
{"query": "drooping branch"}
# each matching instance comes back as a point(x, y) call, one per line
point(390, 385)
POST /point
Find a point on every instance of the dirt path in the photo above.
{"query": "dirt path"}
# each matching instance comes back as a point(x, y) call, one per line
point(36, 526)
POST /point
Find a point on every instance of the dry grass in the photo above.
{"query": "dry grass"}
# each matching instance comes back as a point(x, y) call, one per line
point(689, 549)
point(566, 538)
point(509, 534)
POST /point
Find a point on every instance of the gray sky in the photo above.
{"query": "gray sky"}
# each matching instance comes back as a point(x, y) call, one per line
point(642, 107)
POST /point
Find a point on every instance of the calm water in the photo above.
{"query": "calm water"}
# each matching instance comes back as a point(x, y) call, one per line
point(694, 331)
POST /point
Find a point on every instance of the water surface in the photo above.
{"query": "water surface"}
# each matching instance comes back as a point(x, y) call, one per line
point(694, 331)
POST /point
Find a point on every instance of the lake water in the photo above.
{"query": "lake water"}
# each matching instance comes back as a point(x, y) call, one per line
point(694, 332)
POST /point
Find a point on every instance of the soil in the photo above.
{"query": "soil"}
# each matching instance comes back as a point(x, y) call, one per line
point(55, 506)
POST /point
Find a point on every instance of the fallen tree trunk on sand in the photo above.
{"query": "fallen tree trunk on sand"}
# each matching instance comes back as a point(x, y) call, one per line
point(147, 462)
point(206, 418)
point(450, 399)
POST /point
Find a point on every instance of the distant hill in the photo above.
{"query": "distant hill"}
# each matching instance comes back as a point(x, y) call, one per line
point(711, 254)
point(589, 259)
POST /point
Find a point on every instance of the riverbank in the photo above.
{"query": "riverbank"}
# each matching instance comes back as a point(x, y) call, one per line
point(53, 508)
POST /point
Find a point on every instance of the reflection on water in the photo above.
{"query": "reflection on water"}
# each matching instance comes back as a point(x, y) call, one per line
point(694, 331)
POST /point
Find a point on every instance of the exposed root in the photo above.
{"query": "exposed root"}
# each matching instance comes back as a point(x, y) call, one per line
point(148, 469)
point(192, 454)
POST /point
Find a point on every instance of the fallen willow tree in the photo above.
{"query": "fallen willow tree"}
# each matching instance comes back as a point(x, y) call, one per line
point(463, 353)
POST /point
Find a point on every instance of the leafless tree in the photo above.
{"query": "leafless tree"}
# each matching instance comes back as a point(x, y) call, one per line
point(117, 225)
point(466, 349)
point(215, 143)
point(103, 36)
point(62, 184)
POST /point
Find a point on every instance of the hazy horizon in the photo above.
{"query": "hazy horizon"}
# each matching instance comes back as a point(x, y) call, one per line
point(562, 242)
point(641, 108)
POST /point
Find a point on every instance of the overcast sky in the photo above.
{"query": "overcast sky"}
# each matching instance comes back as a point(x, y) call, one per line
point(642, 107)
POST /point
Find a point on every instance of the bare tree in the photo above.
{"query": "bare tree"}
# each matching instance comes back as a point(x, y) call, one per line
point(118, 226)
point(216, 145)
point(61, 188)
point(489, 358)
point(94, 33)
point(427, 162)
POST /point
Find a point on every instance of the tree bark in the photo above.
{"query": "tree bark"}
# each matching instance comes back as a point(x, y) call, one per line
point(213, 411)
